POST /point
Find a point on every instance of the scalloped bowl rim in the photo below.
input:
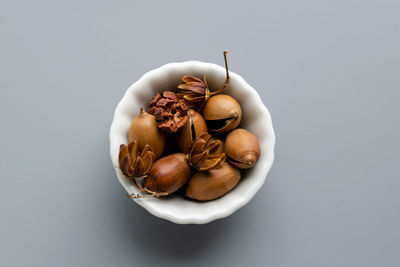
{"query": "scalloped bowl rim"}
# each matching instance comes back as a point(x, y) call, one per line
point(264, 166)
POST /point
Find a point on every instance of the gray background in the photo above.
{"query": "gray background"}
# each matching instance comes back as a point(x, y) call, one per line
point(327, 70)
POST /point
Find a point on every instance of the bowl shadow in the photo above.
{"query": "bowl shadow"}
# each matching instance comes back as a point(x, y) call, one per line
point(155, 237)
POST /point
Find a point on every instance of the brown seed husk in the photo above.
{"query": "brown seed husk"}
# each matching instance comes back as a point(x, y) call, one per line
point(204, 153)
point(195, 126)
point(134, 164)
point(195, 92)
point(169, 112)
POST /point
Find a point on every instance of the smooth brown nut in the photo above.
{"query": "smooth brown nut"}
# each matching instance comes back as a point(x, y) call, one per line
point(242, 148)
point(213, 184)
point(222, 113)
point(195, 126)
point(144, 131)
point(168, 174)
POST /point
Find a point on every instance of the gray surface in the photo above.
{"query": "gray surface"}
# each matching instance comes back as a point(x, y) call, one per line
point(327, 70)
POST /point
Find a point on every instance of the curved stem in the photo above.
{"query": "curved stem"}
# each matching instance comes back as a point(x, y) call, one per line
point(137, 185)
point(227, 76)
point(133, 196)
point(146, 191)
point(226, 66)
point(155, 194)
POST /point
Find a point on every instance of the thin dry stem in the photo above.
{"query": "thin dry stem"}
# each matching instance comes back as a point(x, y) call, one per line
point(133, 196)
point(137, 185)
point(155, 193)
point(226, 66)
point(146, 191)
point(227, 76)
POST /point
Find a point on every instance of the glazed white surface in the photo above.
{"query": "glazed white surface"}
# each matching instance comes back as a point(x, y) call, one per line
point(256, 119)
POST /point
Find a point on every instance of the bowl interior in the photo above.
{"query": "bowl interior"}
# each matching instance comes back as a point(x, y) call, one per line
point(256, 119)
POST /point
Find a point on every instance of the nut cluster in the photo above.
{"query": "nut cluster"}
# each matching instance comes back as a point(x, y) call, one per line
point(209, 151)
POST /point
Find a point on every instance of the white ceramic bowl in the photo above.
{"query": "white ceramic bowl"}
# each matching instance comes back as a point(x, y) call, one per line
point(256, 119)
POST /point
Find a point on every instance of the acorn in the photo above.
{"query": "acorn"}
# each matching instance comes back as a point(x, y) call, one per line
point(213, 184)
point(195, 126)
point(167, 175)
point(242, 148)
point(144, 131)
point(222, 113)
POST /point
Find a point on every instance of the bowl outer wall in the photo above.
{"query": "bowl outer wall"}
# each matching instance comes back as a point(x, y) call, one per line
point(256, 118)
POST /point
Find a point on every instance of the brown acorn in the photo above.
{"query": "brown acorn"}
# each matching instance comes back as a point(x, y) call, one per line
point(242, 148)
point(213, 184)
point(195, 126)
point(144, 131)
point(194, 92)
point(222, 113)
point(167, 175)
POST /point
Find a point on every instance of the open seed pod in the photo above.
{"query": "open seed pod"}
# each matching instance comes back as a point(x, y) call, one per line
point(167, 175)
point(213, 184)
point(242, 148)
point(145, 132)
point(220, 148)
point(222, 113)
point(169, 112)
point(190, 131)
point(194, 92)
point(133, 163)
point(205, 153)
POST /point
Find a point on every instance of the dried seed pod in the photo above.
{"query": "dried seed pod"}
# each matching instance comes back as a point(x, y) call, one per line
point(133, 163)
point(213, 184)
point(167, 175)
point(194, 92)
point(242, 148)
point(204, 154)
point(170, 114)
point(222, 113)
point(192, 129)
point(144, 131)
point(220, 148)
